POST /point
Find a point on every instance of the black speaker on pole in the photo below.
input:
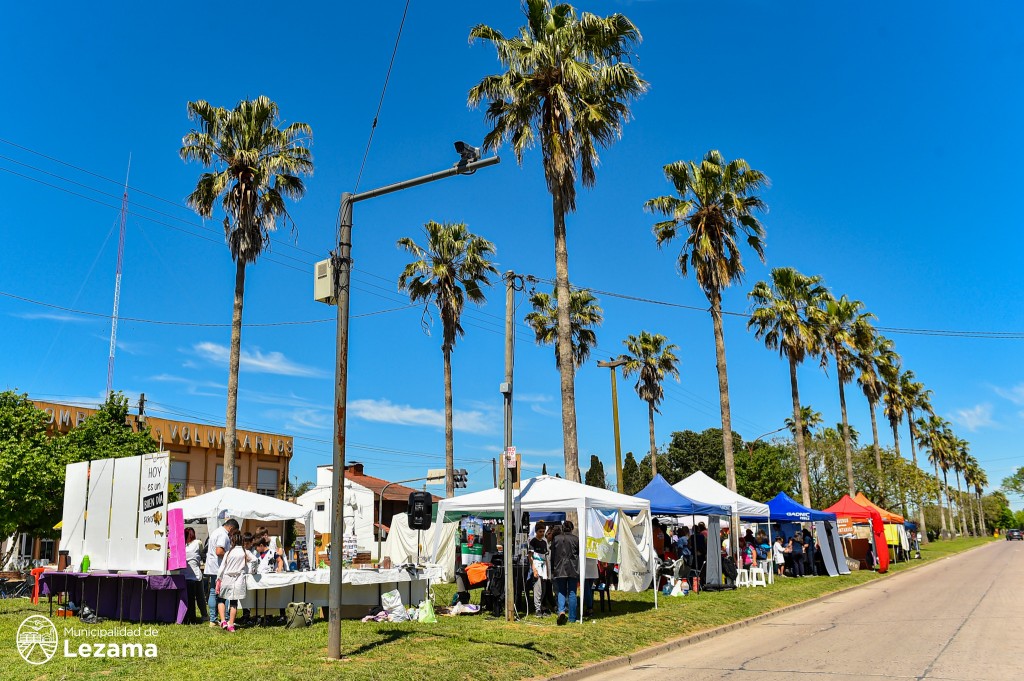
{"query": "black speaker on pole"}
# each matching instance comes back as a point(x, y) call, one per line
point(420, 507)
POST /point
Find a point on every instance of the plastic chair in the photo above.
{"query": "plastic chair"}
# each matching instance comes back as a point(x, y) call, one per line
point(743, 578)
point(758, 577)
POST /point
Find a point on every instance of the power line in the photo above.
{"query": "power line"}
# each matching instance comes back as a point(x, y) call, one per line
point(387, 79)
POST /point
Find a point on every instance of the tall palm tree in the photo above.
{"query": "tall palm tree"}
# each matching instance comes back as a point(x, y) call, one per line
point(940, 437)
point(584, 314)
point(452, 267)
point(980, 481)
point(786, 316)
point(916, 399)
point(569, 82)
point(651, 357)
point(971, 470)
point(255, 165)
point(959, 454)
point(716, 204)
point(875, 356)
point(929, 430)
point(809, 421)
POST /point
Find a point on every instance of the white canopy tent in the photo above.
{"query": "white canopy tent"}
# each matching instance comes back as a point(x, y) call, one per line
point(702, 488)
point(229, 502)
point(403, 544)
point(548, 494)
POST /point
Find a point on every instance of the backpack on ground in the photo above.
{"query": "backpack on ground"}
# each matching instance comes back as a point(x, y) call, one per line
point(298, 615)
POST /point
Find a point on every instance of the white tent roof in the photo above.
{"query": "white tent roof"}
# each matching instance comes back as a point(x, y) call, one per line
point(700, 487)
point(238, 503)
point(544, 493)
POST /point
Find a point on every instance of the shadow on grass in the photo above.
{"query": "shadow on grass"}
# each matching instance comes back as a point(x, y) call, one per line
point(531, 647)
point(385, 638)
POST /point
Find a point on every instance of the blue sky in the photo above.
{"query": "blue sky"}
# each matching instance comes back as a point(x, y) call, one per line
point(890, 134)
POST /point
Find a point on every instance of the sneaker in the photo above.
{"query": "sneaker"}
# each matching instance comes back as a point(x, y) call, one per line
point(562, 618)
point(229, 628)
point(223, 624)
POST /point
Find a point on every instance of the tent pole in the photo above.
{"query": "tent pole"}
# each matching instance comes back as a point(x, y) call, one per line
point(654, 572)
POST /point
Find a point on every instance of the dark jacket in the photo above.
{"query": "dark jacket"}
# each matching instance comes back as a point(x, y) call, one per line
point(565, 556)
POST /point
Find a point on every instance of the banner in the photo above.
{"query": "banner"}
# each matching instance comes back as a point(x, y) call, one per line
point(602, 543)
point(152, 546)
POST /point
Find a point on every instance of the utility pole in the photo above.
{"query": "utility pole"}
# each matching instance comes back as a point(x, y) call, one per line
point(342, 266)
point(612, 364)
point(506, 390)
point(494, 471)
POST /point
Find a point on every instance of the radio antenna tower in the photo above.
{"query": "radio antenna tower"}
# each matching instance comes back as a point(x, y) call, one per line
point(117, 282)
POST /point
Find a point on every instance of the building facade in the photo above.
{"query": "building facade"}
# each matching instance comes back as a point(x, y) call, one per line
point(197, 461)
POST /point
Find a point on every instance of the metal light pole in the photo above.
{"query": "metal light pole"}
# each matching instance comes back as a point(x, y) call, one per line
point(612, 364)
point(470, 163)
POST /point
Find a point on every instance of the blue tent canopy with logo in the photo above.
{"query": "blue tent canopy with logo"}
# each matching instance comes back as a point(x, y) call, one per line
point(783, 508)
point(667, 501)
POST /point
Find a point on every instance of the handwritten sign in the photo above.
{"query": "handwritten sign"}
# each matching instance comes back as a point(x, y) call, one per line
point(152, 541)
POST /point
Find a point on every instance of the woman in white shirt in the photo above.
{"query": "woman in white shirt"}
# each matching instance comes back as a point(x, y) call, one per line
point(194, 578)
point(779, 555)
point(231, 580)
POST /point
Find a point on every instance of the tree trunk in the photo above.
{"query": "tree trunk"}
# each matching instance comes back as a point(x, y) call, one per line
point(230, 428)
point(846, 438)
point(449, 430)
point(960, 503)
point(566, 368)
point(971, 515)
point(878, 449)
point(981, 514)
point(801, 450)
point(921, 526)
point(654, 450)
point(723, 393)
point(942, 513)
point(949, 504)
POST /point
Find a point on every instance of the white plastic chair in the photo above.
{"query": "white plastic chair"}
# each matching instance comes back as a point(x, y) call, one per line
point(758, 577)
point(743, 578)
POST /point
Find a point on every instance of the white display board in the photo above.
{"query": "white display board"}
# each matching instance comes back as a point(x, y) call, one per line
point(152, 509)
point(76, 491)
point(115, 512)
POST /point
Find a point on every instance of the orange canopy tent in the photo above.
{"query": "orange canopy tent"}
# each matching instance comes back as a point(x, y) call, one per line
point(887, 516)
point(848, 508)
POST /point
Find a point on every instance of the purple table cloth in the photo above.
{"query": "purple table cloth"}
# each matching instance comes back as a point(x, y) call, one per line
point(133, 598)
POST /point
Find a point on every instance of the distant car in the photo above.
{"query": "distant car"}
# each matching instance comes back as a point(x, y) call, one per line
point(1012, 535)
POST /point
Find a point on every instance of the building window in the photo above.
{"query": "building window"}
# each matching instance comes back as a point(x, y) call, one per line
point(219, 476)
point(179, 478)
point(320, 505)
point(266, 481)
point(46, 551)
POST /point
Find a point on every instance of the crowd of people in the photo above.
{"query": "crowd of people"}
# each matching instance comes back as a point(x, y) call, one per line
point(215, 577)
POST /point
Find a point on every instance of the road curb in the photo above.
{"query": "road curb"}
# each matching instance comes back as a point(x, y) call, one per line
point(630, 660)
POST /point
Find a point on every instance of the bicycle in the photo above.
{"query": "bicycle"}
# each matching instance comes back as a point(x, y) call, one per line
point(16, 589)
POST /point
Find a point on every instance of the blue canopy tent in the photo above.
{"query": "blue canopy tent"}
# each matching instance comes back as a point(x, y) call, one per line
point(785, 509)
point(667, 501)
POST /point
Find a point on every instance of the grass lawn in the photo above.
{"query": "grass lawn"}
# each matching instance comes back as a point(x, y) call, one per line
point(467, 647)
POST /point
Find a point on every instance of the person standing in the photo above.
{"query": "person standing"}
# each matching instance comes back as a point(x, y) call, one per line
point(796, 551)
point(231, 587)
point(539, 561)
point(194, 578)
point(217, 545)
point(565, 564)
point(811, 567)
point(779, 555)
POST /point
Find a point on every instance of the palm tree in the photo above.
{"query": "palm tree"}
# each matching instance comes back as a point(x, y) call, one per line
point(971, 471)
point(875, 356)
point(915, 399)
point(980, 481)
point(451, 268)
point(939, 440)
point(568, 82)
point(844, 326)
point(809, 420)
point(786, 316)
point(716, 204)
point(651, 357)
point(584, 314)
point(960, 452)
point(256, 165)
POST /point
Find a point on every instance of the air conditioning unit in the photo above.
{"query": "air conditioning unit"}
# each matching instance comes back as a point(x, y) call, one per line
point(323, 283)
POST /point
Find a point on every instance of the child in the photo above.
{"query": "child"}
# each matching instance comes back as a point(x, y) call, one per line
point(779, 555)
point(231, 579)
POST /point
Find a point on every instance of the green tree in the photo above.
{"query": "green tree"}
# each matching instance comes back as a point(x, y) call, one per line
point(568, 81)
point(107, 434)
point(256, 166)
point(786, 316)
point(688, 452)
point(632, 475)
point(875, 358)
point(767, 468)
point(1014, 484)
point(916, 399)
point(584, 316)
point(451, 268)
point(29, 470)
point(595, 475)
point(651, 357)
point(717, 202)
point(845, 326)
point(810, 420)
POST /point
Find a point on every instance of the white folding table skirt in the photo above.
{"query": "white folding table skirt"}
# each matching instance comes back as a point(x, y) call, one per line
point(361, 588)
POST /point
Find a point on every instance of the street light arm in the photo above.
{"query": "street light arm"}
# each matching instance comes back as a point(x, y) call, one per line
point(460, 168)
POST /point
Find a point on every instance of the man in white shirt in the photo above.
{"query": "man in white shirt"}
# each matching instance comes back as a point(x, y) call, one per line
point(217, 545)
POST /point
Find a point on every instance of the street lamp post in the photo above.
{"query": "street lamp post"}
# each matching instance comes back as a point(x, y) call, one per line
point(612, 364)
point(469, 164)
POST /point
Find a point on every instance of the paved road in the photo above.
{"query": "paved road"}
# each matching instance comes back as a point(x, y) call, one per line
point(959, 618)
